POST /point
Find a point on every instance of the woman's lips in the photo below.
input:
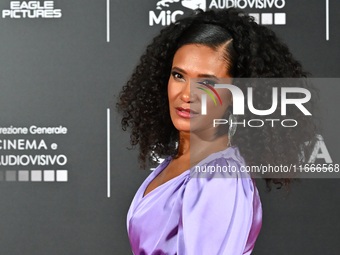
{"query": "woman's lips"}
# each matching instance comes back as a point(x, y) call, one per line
point(186, 113)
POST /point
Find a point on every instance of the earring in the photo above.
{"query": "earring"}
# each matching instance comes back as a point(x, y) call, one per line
point(232, 127)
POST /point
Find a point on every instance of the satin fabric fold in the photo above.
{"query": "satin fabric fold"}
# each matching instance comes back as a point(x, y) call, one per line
point(197, 214)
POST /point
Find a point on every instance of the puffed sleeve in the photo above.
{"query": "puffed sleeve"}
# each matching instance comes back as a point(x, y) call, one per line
point(217, 212)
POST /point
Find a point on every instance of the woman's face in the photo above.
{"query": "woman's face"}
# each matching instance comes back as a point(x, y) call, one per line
point(197, 61)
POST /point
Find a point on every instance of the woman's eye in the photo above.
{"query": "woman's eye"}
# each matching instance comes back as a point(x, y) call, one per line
point(177, 76)
point(209, 82)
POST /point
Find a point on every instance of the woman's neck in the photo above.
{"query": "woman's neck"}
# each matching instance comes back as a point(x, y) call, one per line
point(194, 148)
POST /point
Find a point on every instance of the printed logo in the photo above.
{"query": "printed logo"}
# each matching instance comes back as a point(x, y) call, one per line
point(31, 10)
point(167, 11)
point(191, 4)
point(29, 155)
point(194, 4)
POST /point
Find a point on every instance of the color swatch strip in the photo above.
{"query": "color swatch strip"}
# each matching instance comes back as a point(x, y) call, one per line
point(34, 175)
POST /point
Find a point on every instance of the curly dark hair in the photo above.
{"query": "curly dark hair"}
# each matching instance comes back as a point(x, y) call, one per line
point(255, 52)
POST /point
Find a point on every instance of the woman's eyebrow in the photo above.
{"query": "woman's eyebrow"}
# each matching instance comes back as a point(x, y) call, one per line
point(179, 70)
point(200, 75)
point(208, 76)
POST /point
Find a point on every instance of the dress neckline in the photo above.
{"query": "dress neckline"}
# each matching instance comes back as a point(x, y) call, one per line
point(159, 169)
point(167, 161)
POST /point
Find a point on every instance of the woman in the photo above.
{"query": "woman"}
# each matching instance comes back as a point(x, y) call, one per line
point(181, 208)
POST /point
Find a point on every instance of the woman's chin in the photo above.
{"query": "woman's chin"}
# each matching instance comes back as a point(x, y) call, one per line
point(184, 129)
point(192, 125)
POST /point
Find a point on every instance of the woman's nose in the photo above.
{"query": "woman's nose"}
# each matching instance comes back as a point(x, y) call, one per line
point(187, 94)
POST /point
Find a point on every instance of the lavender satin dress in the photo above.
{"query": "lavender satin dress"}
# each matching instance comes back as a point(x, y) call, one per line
point(193, 214)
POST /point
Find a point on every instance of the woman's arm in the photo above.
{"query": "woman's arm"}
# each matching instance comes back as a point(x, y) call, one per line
point(217, 213)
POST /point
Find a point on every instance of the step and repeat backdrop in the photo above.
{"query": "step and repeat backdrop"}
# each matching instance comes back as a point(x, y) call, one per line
point(66, 175)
